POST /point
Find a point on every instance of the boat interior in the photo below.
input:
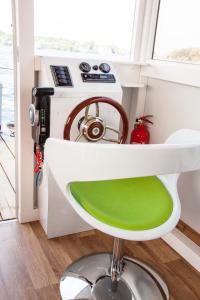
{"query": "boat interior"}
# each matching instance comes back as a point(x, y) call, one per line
point(99, 150)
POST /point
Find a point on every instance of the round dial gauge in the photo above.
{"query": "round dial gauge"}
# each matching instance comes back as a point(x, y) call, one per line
point(105, 68)
point(85, 67)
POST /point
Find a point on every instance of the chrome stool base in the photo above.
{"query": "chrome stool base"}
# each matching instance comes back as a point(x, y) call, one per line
point(89, 279)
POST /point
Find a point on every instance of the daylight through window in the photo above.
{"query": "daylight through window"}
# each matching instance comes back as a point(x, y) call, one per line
point(90, 26)
point(178, 31)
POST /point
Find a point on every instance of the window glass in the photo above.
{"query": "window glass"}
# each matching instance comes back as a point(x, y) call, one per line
point(84, 26)
point(6, 64)
point(7, 114)
point(178, 31)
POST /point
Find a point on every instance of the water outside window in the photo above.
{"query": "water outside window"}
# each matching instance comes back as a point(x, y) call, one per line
point(7, 122)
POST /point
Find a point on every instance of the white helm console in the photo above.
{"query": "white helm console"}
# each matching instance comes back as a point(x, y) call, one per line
point(73, 81)
point(69, 84)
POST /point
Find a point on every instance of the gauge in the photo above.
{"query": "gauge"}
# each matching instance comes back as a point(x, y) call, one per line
point(85, 67)
point(105, 68)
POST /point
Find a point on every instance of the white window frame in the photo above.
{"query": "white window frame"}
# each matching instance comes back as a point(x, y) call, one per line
point(24, 81)
point(179, 72)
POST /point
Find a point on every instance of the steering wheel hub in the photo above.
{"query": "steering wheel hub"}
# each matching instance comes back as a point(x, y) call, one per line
point(92, 128)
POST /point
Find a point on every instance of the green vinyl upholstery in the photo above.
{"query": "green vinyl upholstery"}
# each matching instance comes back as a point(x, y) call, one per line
point(132, 204)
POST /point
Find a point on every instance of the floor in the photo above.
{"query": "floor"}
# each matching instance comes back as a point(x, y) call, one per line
point(31, 265)
point(7, 175)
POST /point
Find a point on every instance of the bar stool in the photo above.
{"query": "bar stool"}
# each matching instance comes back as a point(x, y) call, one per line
point(128, 192)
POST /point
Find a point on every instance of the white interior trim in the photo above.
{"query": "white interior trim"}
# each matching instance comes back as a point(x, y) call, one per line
point(149, 29)
point(13, 5)
point(25, 82)
point(140, 6)
point(183, 73)
point(133, 85)
point(185, 247)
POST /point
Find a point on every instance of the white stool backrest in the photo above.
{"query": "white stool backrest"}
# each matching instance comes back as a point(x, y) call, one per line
point(71, 161)
point(184, 136)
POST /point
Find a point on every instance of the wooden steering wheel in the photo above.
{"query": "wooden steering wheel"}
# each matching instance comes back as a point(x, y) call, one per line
point(93, 128)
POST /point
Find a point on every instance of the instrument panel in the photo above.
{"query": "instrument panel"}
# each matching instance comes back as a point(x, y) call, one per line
point(61, 76)
point(89, 73)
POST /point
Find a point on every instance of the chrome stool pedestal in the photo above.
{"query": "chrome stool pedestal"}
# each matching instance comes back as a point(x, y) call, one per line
point(112, 277)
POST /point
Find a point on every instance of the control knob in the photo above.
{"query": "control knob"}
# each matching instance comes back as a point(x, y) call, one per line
point(105, 68)
point(85, 67)
point(95, 67)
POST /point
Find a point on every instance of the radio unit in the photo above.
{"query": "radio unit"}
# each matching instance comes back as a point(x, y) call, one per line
point(105, 78)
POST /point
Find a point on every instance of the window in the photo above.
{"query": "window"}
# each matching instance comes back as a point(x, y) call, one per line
point(84, 26)
point(7, 114)
point(178, 31)
point(6, 64)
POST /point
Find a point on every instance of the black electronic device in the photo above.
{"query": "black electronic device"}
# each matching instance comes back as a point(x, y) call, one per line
point(101, 78)
point(95, 67)
point(39, 114)
point(85, 67)
point(104, 67)
point(61, 76)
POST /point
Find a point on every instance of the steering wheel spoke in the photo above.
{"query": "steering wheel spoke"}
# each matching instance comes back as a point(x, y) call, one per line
point(110, 140)
point(112, 129)
point(97, 109)
point(88, 109)
point(78, 137)
point(87, 112)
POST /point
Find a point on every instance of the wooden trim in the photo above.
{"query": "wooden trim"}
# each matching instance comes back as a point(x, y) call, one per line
point(189, 232)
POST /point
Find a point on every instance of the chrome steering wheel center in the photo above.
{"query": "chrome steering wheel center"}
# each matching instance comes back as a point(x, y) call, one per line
point(95, 131)
point(92, 128)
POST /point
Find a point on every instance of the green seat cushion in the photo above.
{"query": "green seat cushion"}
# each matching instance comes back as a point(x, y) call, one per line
point(133, 204)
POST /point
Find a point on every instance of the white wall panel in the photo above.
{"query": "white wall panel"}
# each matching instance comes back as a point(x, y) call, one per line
point(176, 106)
point(24, 82)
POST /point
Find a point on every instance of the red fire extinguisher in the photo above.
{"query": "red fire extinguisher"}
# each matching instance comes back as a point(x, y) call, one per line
point(140, 133)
